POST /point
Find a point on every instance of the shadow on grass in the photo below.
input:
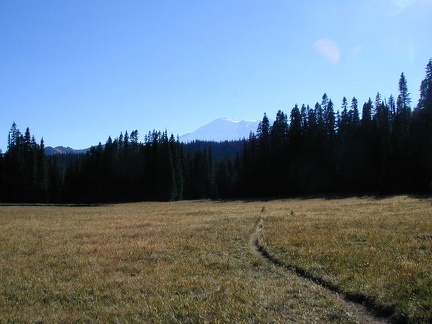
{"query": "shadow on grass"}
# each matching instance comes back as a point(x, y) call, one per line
point(334, 196)
point(50, 205)
point(376, 309)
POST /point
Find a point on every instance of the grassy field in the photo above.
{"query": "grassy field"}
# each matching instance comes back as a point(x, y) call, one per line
point(192, 262)
point(378, 250)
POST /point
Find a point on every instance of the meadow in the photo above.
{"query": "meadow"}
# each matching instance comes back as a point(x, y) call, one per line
point(193, 261)
point(378, 251)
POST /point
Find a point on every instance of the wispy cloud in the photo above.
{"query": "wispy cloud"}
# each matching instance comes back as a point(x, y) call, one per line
point(328, 49)
point(402, 4)
point(398, 6)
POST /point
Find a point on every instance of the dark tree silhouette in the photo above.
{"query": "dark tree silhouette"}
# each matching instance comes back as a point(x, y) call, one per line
point(388, 149)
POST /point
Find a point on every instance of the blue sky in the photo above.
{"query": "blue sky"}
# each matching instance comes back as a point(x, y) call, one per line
point(77, 71)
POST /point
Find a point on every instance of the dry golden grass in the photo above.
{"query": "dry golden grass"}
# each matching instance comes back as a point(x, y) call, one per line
point(378, 249)
point(191, 261)
point(148, 262)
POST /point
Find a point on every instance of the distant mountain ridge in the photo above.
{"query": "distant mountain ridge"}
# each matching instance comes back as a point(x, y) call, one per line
point(219, 130)
point(49, 150)
point(222, 129)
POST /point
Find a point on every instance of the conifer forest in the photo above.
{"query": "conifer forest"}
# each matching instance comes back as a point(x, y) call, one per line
point(383, 146)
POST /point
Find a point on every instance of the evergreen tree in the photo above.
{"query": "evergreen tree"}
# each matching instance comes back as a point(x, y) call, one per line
point(330, 121)
point(134, 137)
point(366, 121)
point(392, 106)
point(177, 167)
point(345, 120)
point(425, 100)
point(279, 130)
point(319, 118)
point(421, 134)
point(404, 96)
point(263, 135)
point(13, 137)
point(54, 183)
point(275, 163)
point(166, 184)
point(403, 109)
point(354, 113)
point(41, 176)
point(295, 129)
point(126, 142)
point(23, 178)
point(304, 118)
point(326, 116)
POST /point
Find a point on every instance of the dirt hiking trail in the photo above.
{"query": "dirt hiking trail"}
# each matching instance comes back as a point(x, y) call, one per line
point(356, 308)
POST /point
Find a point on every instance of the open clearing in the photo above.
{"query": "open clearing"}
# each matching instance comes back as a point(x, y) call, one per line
point(191, 261)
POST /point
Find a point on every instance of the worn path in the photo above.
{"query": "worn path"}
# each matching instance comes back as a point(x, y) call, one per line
point(356, 309)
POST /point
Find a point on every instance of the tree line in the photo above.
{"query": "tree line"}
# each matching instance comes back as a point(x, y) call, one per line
point(384, 147)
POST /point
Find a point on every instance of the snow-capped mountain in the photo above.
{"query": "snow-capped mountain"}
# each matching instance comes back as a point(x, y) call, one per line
point(219, 130)
point(222, 129)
